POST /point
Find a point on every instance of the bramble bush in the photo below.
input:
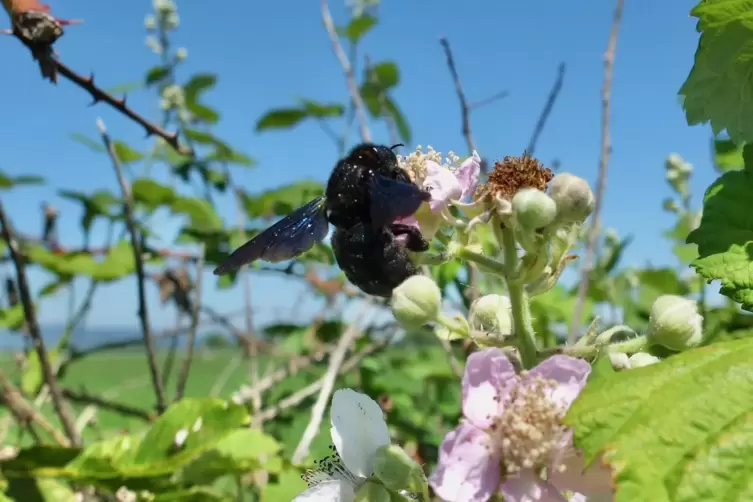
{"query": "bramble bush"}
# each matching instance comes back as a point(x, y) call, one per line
point(508, 400)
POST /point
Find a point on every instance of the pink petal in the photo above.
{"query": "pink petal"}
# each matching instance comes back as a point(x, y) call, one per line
point(488, 378)
point(442, 185)
point(569, 372)
point(466, 471)
point(467, 174)
point(596, 480)
point(528, 487)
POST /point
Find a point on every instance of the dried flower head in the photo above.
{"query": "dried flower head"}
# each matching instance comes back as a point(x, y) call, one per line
point(514, 174)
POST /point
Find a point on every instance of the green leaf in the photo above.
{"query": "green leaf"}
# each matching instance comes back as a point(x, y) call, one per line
point(197, 85)
point(32, 377)
point(126, 154)
point(727, 155)
point(151, 194)
point(98, 204)
point(202, 214)
point(725, 236)
point(283, 200)
point(12, 317)
point(357, 28)
point(288, 485)
point(241, 450)
point(206, 421)
point(92, 144)
point(717, 89)
point(156, 74)
point(679, 430)
point(280, 118)
point(385, 74)
point(125, 88)
point(117, 263)
point(322, 111)
point(7, 182)
point(391, 108)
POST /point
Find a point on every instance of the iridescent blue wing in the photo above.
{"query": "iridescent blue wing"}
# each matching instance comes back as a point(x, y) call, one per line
point(393, 199)
point(286, 239)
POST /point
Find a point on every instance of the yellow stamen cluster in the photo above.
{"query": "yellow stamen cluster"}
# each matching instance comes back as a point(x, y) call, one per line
point(415, 163)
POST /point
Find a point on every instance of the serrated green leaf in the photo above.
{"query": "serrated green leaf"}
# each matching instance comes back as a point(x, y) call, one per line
point(385, 73)
point(280, 118)
point(698, 450)
point(717, 89)
point(727, 155)
point(357, 28)
point(12, 317)
point(725, 236)
point(206, 422)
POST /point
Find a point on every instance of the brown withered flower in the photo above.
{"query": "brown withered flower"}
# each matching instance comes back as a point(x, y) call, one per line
point(513, 174)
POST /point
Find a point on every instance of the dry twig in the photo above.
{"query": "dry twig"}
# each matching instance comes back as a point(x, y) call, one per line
point(355, 94)
point(84, 397)
point(601, 182)
point(186, 369)
point(328, 383)
point(35, 333)
point(550, 100)
point(140, 274)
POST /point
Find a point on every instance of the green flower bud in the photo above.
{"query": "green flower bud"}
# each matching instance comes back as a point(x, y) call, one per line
point(619, 361)
point(573, 196)
point(416, 301)
point(372, 491)
point(673, 162)
point(671, 205)
point(675, 323)
point(397, 470)
point(533, 209)
point(491, 313)
point(181, 54)
point(150, 23)
point(640, 359)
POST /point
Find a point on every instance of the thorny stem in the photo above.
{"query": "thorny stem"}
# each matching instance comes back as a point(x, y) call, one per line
point(521, 313)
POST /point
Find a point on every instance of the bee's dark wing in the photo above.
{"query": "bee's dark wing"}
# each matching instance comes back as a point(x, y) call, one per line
point(286, 239)
point(393, 199)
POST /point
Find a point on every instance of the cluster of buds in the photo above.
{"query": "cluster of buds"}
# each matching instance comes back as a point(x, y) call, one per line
point(678, 174)
point(522, 205)
point(164, 19)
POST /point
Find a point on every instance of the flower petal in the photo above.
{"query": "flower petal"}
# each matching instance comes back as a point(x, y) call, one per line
point(528, 487)
point(466, 471)
point(488, 377)
point(467, 174)
point(358, 430)
point(569, 372)
point(442, 185)
point(328, 491)
point(595, 480)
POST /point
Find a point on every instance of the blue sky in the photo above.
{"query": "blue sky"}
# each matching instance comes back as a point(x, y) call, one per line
point(269, 53)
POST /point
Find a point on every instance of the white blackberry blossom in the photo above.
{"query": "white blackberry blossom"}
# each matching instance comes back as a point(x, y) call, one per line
point(358, 431)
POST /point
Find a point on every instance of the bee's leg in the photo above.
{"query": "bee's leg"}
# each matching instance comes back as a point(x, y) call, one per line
point(415, 242)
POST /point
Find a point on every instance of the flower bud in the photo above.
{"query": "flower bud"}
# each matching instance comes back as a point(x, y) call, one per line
point(533, 209)
point(675, 323)
point(372, 491)
point(671, 205)
point(573, 196)
point(397, 470)
point(181, 54)
point(492, 313)
point(640, 359)
point(150, 23)
point(673, 162)
point(416, 301)
point(619, 361)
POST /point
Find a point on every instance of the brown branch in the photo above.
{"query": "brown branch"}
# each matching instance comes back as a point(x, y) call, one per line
point(487, 101)
point(544, 116)
point(140, 275)
point(186, 369)
point(25, 412)
point(601, 181)
point(465, 111)
point(350, 78)
point(106, 404)
point(35, 333)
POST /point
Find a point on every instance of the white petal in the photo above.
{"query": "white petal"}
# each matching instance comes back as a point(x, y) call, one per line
point(442, 185)
point(358, 430)
point(328, 491)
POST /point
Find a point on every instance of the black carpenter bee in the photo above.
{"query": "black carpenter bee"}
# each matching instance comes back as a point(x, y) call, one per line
point(366, 192)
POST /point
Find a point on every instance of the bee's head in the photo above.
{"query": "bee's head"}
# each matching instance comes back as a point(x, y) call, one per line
point(374, 156)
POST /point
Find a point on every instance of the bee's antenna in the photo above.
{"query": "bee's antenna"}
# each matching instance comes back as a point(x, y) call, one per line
point(395, 146)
